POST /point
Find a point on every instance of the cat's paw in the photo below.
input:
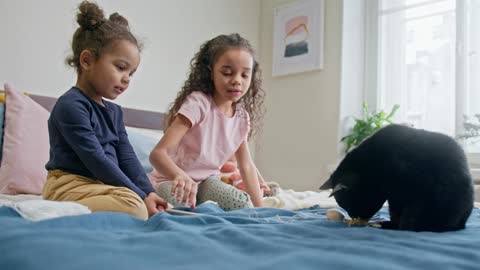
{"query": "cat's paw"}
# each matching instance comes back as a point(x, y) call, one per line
point(357, 222)
point(388, 225)
point(337, 215)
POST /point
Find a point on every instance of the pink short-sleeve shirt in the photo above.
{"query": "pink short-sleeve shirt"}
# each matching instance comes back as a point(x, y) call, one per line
point(210, 142)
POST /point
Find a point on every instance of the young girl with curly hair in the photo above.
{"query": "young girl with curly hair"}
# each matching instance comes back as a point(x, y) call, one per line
point(217, 110)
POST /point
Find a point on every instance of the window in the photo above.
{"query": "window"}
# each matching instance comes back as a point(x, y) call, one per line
point(426, 58)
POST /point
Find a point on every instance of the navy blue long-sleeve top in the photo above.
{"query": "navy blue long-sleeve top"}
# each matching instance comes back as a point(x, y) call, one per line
point(90, 140)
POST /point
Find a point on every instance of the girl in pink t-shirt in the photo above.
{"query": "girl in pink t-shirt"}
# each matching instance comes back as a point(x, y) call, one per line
point(218, 109)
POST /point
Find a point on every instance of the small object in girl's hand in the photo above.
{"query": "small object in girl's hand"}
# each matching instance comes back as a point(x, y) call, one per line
point(181, 212)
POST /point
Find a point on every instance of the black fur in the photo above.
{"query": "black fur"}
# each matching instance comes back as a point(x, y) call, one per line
point(423, 175)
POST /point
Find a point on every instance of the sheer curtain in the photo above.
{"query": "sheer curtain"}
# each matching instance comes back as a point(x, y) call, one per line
point(428, 62)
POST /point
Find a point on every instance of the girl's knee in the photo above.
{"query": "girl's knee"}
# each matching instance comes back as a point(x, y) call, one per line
point(164, 190)
point(139, 212)
point(227, 196)
point(129, 202)
point(136, 207)
point(238, 200)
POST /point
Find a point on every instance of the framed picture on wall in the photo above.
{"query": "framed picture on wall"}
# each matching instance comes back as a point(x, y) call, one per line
point(298, 37)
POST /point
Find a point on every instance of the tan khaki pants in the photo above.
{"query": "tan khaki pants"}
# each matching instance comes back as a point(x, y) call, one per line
point(63, 186)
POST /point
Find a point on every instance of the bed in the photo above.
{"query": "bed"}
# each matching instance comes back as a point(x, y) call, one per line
point(37, 234)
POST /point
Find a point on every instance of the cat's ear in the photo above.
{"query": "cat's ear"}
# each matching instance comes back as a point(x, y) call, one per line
point(326, 185)
point(329, 185)
point(338, 188)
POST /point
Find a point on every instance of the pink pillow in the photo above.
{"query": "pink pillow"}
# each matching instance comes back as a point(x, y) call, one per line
point(25, 147)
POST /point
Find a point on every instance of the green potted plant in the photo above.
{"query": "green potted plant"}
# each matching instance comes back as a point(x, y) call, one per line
point(471, 129)
point(369, 124)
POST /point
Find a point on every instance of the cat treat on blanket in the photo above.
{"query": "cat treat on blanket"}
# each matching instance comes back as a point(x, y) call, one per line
point(337, 215)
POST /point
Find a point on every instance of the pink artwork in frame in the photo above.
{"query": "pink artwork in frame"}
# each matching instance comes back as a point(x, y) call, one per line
point(298, 37)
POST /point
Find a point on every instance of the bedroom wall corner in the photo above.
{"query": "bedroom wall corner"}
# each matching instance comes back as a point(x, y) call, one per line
point(300, 133)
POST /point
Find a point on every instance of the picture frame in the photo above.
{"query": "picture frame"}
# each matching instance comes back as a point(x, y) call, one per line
point(298, 37)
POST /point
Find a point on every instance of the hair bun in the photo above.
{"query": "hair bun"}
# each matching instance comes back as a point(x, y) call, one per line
point(90, 16)
point(118, 19)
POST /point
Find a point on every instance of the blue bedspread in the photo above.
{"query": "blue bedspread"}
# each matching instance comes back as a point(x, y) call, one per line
point(247, 239)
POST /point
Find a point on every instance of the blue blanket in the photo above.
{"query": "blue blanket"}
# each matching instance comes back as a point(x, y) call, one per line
point(262, 238)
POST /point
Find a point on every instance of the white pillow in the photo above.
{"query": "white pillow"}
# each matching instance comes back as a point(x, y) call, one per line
point(143, 141)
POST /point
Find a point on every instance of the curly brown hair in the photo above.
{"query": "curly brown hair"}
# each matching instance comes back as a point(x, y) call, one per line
point(96, 33)
point(200, 78)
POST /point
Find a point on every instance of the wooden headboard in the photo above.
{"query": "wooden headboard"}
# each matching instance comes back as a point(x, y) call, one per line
point(132, 117)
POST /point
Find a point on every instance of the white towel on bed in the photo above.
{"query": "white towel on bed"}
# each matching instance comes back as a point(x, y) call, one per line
point(35, 208)
point(293, 200)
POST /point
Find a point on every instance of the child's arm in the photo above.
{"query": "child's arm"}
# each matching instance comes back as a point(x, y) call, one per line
point(249, 174)
point(129, 163)
point(183, 186)
point(263, 186)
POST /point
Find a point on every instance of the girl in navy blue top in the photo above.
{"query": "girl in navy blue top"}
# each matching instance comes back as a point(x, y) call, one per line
point(91, 160)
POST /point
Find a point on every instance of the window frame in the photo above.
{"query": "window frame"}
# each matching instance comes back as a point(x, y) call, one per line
point(373, 36)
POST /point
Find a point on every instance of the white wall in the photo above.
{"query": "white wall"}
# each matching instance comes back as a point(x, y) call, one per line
point(300, 135)
point(36, 35)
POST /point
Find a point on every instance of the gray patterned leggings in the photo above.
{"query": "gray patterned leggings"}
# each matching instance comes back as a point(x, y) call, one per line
point(227, 196)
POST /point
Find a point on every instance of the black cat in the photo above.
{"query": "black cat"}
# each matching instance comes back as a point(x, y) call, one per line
point(423, 175)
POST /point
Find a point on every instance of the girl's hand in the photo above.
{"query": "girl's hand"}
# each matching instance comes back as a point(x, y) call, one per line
point(264, 187)
point(155, 204)
point(185, 190)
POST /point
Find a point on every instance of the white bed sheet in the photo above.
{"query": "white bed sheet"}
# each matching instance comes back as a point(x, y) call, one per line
point(34, 207)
